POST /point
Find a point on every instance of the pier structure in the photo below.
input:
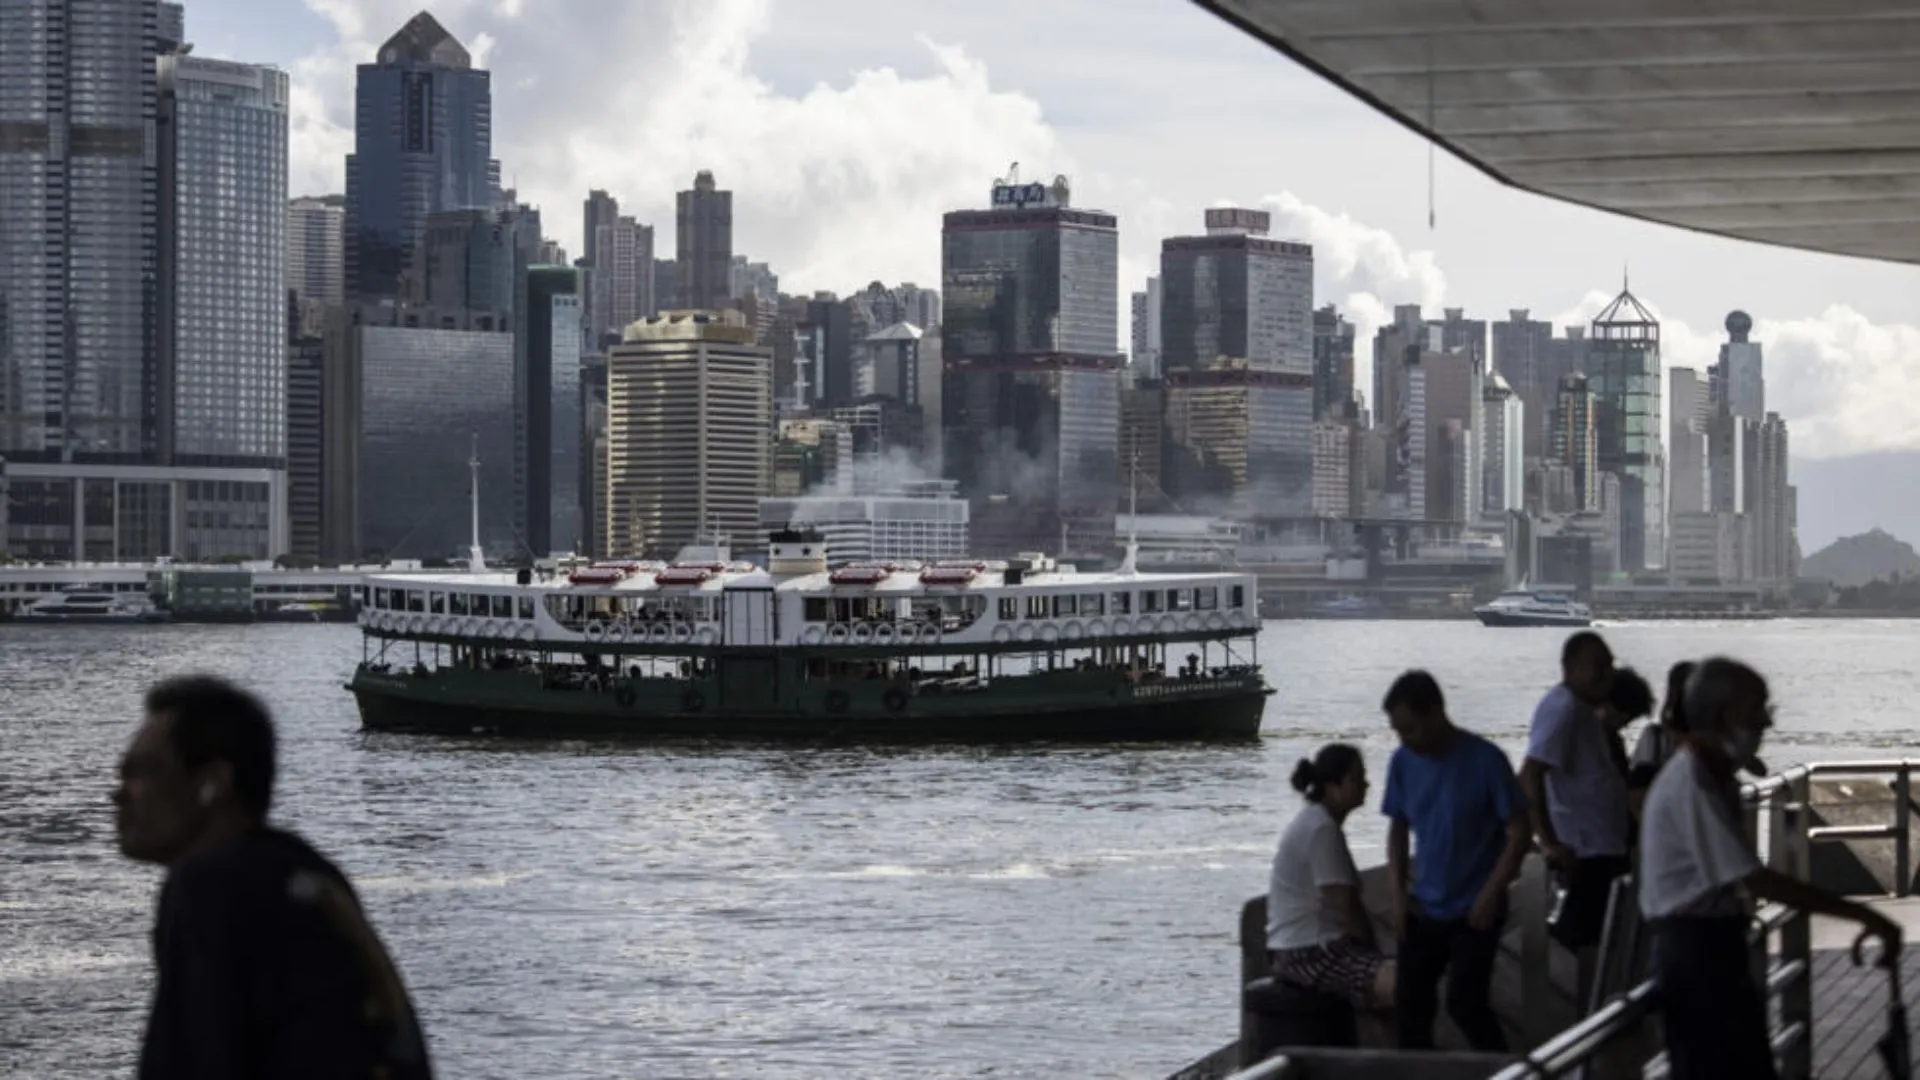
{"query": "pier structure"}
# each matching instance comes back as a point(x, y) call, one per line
point(1843, 825)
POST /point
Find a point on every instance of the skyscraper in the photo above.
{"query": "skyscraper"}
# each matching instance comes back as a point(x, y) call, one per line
point(1687, 442)
point(1332, 360)
point(703, 246)
point(1738, 383)
point(1623, 369)
point(1575, 442)
point(1144, 357)
point(78, 187)
point(1455, 395)
point(689, 415)
point(423, 143)
point(223, 257)
point(1502, 449)
point(547, 389)
point(1236, 353)
point(1031, 393)
point(316, 259)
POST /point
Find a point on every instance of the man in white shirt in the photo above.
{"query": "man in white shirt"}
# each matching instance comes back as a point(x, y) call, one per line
point(1697, 873)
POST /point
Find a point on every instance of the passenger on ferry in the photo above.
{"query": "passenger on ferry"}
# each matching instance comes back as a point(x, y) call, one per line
point(1660, 739)
point(267, 966)
point(1695, 865)
point(1576, 793)
point(1453, 793)
point(1318, 933)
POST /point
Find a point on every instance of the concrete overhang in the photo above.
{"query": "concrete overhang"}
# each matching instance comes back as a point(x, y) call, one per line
point(1789, 122)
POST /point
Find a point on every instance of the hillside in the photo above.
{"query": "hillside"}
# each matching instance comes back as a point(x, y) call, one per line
point(1857, 560)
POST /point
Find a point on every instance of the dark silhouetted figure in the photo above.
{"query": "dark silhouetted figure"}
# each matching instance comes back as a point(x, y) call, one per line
point(268, 969)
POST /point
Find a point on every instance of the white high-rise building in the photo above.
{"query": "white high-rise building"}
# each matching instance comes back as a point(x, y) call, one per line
point(316, 260)
point(1502, 449)
point(1145, 356)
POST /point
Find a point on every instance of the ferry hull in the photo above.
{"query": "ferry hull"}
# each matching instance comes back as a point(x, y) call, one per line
point(1508, 618)
point(515, 705)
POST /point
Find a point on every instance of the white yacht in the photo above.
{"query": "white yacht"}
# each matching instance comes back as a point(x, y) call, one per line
point(80, 604)
point(1532, 607)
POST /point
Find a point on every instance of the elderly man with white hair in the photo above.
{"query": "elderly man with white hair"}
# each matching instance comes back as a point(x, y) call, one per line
point(1698, 875)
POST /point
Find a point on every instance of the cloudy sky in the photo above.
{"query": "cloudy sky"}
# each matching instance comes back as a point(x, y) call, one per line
point(845, 128)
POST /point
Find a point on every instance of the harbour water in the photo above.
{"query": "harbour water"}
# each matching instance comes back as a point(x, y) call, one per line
point(585, 910)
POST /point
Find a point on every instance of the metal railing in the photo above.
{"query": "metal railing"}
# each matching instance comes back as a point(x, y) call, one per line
point(1780, 803)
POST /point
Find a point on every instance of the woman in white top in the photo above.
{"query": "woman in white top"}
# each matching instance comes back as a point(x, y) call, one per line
point(1319, 936)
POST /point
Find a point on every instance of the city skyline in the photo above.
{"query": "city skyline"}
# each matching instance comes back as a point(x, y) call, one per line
point(794, 118)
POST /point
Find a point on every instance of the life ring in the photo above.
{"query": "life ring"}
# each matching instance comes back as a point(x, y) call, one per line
point(694, 701)
point(596, 631)
point(416, 625)
point(895, 699)
point(1003, 633)
point(837, 633)
point(707, 635)
point(617, 632)
point(625, 696)
point(682, 633)
point(1216, 621)
point(812, 635)
point(1072, 630)
point(527, 633)
point(1237, 620)
point(1122, 627)
point(862, 633)
point(1049, 631)
point(1025, 633)
point(837, 701)
point(1169, 624)
point(1193, 622)
point(1097, 628)
point(929, 632)
point(883, 634)
point(658, 633)
point(471, 628)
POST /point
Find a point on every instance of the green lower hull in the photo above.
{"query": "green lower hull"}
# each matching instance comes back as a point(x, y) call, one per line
point(1054, 707)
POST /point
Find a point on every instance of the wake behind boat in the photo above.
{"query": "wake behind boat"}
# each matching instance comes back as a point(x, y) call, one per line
point(1529, 607)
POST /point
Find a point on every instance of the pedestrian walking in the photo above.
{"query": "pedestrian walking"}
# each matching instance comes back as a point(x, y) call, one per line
point(267, 967)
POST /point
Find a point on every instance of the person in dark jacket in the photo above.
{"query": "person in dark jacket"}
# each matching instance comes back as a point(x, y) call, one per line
point(267, 967)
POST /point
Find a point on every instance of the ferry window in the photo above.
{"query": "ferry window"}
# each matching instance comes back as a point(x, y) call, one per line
point(502, 606)
point(380, 599)
point(1207, 599)
point(1150, 601)
point(1122, 603)
point(525, 606)
point(1065, 605)
point(1239, 596)
point(1009, 608)
point(1179, 600)
point(416, 601)
point(1037, 607)
point(457, 603)
point(1093, 603)
point(437, 603)
point(815, 609)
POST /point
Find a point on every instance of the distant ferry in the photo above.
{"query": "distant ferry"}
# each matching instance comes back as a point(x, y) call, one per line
point(77, 604)
point(969, 650)
point(1529, 607)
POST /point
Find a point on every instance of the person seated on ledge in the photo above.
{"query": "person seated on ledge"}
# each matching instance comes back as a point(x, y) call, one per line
point(1319, 935)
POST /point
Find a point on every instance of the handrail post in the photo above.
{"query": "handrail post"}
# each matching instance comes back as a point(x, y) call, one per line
point(1792, 855)
point(1902, 822)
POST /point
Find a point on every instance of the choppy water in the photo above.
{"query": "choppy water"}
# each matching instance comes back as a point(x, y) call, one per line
point(581, 910)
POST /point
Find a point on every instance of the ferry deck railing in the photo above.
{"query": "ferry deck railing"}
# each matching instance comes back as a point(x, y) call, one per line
point(1778, 814)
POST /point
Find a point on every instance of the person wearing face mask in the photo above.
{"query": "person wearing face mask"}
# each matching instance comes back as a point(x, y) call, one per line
point(1698, 874)
point(1577, 792)
point(267, 968)
point(1319, 935)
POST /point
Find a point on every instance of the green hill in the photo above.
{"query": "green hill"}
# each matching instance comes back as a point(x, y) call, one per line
point(1857, 560)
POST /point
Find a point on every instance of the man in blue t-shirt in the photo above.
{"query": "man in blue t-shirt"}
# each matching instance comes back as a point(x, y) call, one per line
point(1457, 794)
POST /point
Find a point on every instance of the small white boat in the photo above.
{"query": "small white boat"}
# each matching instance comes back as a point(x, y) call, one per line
point(1530, 607)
